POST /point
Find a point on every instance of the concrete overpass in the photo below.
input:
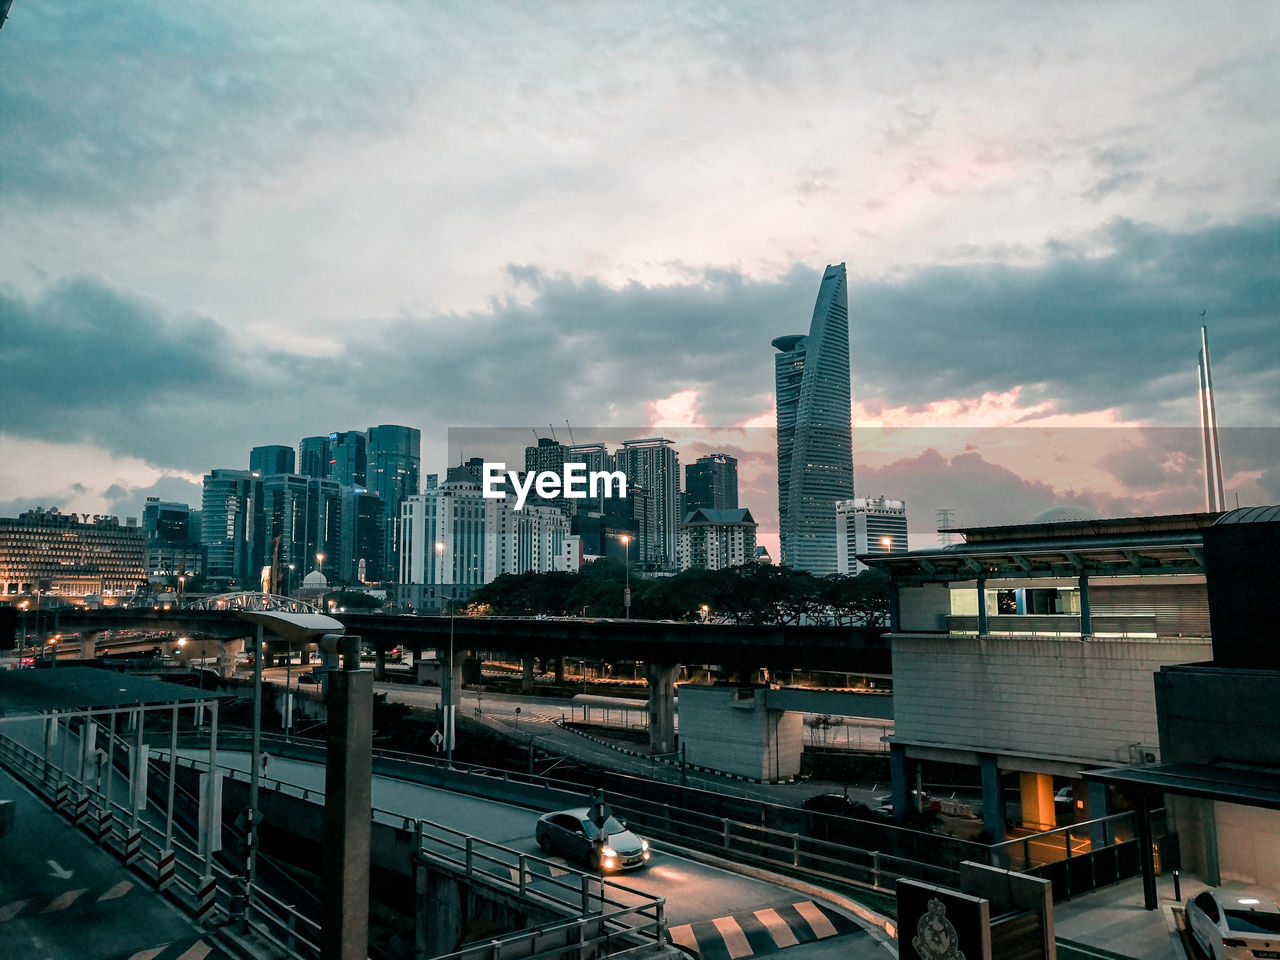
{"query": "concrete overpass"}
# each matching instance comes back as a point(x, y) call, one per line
point(661, 646)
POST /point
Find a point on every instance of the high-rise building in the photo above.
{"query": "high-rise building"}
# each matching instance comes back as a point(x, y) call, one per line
point(232, 513)
point(654, 465)
point(867, 526)
point(453, 516)
point(313, 457)
point(267, 460)
point(815, 445)
point(394, 468)
point(362, 536)
point(711, 481)
point(285, 501)
point(348, 458)
point(65, 555)
point(713, 539)
point(172, 545)
point(323, 543)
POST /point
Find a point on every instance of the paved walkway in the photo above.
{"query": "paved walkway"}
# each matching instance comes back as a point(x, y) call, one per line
point(1115, 920)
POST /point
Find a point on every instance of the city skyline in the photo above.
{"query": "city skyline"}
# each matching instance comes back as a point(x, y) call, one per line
point(616, 238)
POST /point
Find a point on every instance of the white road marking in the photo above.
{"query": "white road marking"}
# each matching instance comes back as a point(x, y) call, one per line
point(11, 910)
point(822, 927)
point(198, 951)
point(734, 938)
point(64, 901)
point(119, 890)
point(782, 934)
point(683, 935)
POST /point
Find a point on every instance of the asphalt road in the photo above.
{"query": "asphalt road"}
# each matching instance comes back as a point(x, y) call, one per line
point(723, 913)
point(64, 898)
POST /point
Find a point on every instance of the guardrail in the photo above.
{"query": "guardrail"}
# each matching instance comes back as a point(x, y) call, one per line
point(622, 919)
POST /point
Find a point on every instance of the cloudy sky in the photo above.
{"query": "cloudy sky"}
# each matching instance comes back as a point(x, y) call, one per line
point(232, 224)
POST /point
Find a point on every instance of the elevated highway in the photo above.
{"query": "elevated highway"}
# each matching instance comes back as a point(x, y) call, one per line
point(862, 650)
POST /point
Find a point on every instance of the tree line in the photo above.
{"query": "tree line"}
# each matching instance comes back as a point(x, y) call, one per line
point(753, 593)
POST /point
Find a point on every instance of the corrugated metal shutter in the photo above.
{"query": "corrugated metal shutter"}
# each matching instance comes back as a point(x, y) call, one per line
point(1180, 610)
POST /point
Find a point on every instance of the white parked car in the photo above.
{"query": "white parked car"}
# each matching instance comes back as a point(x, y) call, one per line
point(1234, 928)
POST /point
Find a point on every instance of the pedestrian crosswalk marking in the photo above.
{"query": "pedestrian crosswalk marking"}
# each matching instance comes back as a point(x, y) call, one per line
point(559, 872)
point(64, 901)
point(683, 936)
point(119, 890)
point(777, 928)
point(191, 950)
point(762, 932)
point(734, 938)
point(822, 927)
point(11, 910)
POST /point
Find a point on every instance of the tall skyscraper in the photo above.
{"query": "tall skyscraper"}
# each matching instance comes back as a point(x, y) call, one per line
point(394, 468)
point(267, 460)
point(654, 465)
point(232, 514)
point(348, 458)
point(868, 526)
point(711, 482)
point(815, 444)
point(313, 457)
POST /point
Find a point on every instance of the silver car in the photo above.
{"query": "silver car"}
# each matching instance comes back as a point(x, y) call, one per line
point(575, 836)
point(1234, 928)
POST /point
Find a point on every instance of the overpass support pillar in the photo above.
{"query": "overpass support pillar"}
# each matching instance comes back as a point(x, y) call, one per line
point(380, 664)
point(661, 678)
point(559, 668)
point(87, 648)
point(992, 797)
point(900, 780)
point(526, 674)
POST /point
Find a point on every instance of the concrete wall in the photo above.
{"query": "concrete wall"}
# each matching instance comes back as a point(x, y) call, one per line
point(723, 730)
point(925, 607)
point(1069, 700)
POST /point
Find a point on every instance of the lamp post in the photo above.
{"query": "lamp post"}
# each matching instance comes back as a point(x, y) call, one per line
point(887, 543)
point(626, 593)
point(446, 691)
point(182, 589)
point(288, 587)
point(320, 563)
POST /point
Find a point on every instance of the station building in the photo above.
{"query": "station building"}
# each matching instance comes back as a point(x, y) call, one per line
point(1129, 657)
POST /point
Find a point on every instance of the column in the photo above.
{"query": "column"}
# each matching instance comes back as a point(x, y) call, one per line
point(526, 674)
point(662, 706)
point(895, 609)
point(992, 798)
point(982, 606)
point(900, 780)
point(347, 811)
point(1086, 620)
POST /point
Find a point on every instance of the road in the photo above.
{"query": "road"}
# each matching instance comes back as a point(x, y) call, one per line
point(64, 898)
point(719, 913)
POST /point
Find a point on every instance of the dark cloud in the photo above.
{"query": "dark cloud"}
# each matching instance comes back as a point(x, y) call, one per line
point(86, 362)
point(1093, 330)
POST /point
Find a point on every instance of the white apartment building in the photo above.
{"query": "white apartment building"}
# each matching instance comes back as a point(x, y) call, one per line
point(866, 525)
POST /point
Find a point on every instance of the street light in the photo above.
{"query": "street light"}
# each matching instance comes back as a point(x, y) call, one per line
point(182, 588)
point(626, 593)
point(887, 543)
point(446, 694)
point(320, 562)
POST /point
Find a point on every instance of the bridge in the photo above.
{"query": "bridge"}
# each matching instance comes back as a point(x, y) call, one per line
point(660, 646)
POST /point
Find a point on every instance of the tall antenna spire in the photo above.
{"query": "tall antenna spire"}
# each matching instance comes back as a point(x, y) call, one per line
point(1215, 499)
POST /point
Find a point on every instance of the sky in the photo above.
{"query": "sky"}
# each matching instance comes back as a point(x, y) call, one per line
point(234, 224)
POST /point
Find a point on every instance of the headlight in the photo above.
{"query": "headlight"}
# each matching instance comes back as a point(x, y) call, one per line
point(644, 844)
point(608, 851)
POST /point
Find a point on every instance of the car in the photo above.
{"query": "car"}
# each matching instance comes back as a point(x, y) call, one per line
point(1227, 927)
point(574, 835)
point(308, 678)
